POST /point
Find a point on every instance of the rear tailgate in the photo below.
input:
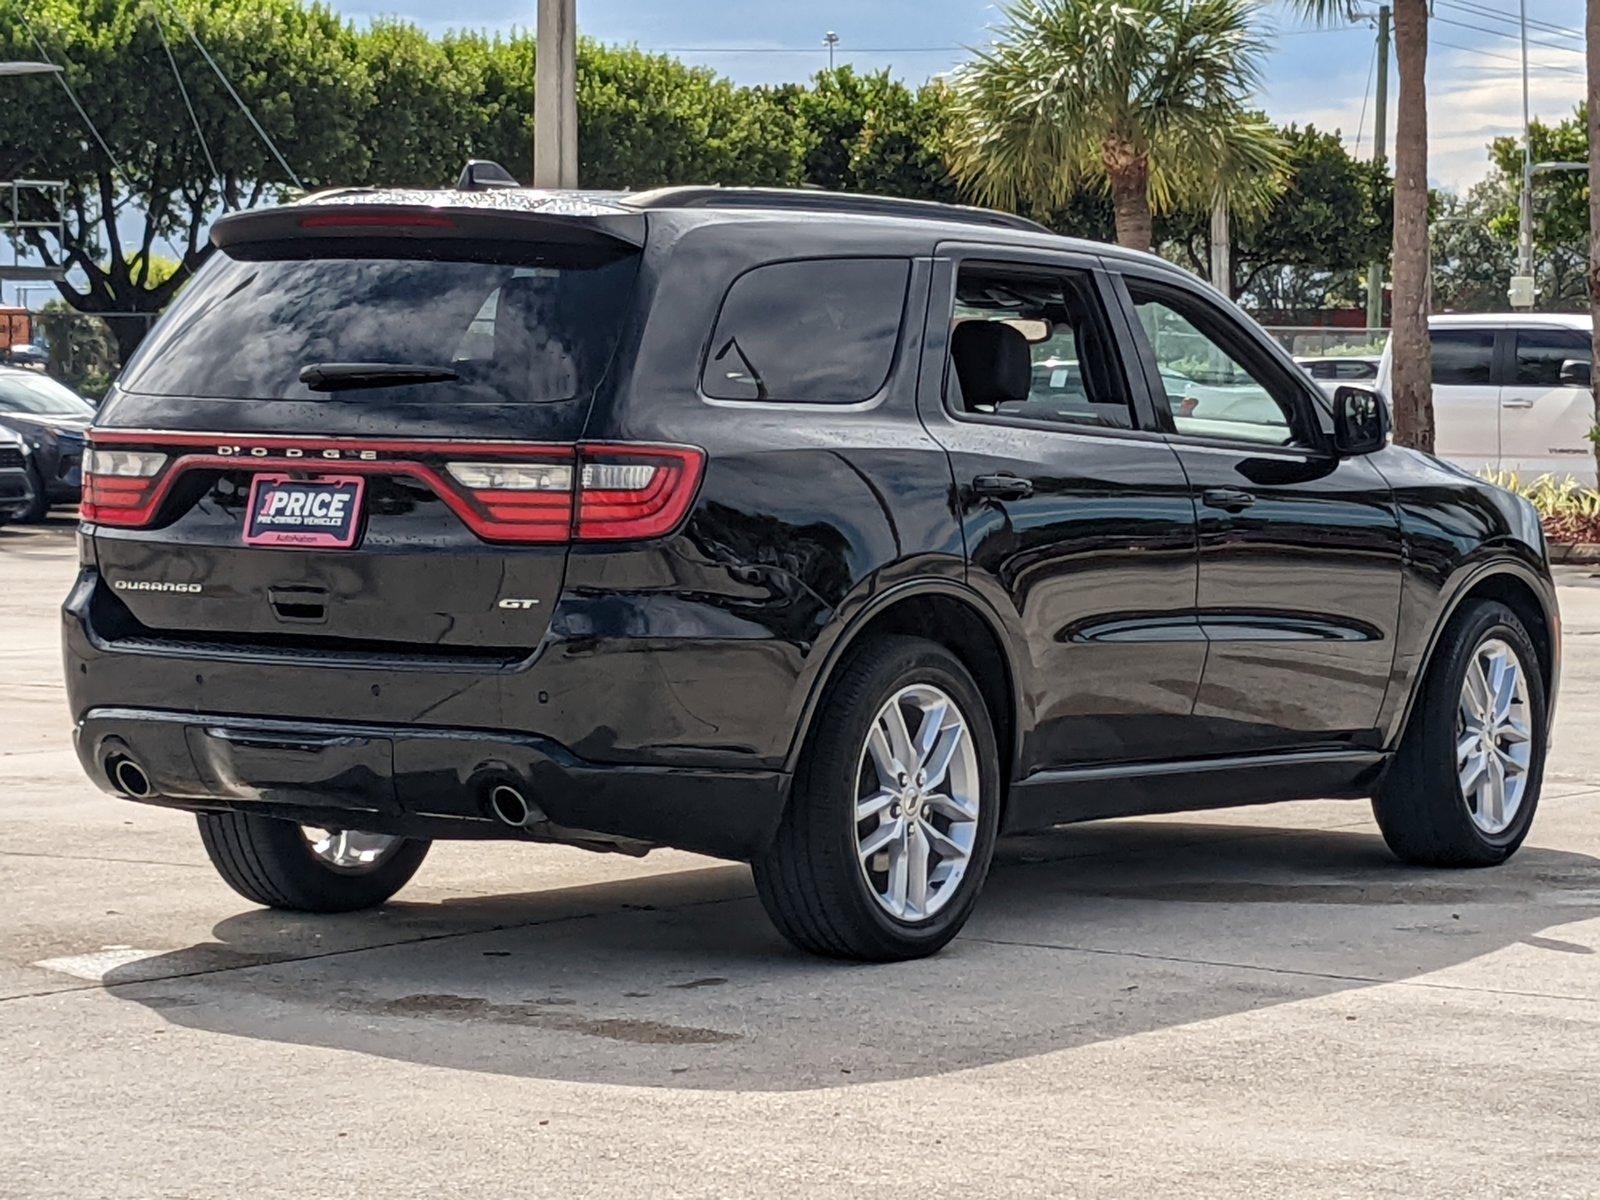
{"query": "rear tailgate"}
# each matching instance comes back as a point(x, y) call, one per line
point(237, 496)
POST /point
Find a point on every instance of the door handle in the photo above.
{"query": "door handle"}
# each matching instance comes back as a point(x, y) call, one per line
point(1514, 403)
point(1227, 499)
point(1003, 487)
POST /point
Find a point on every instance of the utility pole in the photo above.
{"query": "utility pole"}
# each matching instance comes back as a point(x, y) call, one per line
point(830, 40)
point(555, 98)
point(1380, 156)
point(1522, 292)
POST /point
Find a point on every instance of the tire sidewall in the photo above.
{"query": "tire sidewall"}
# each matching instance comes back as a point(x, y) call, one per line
point(846, 739)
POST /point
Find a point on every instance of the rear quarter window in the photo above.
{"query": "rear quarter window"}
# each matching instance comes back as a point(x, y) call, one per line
point(815, 331)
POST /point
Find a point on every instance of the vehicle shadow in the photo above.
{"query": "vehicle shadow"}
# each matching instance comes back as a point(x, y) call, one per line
point(1083, 934)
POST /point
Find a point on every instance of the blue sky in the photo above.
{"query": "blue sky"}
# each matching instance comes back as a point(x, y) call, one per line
point(1314, 75)
point(1318, 75)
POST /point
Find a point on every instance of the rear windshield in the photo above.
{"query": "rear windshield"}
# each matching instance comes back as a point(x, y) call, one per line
point(248, 325)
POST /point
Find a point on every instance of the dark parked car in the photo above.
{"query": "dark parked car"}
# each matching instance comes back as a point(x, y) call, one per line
point(740, 521)
point(16, 487)
point(26, 354)
point(51, 418)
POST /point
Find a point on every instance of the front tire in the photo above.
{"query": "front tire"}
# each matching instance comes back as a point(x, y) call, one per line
point(1464, 784)
point(284, 865)
point(891, 826)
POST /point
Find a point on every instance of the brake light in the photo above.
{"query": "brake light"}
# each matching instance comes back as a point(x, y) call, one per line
point(120, 487)
point(628, 493)
point(619, 493)
point(376, 220)
point(511, 492)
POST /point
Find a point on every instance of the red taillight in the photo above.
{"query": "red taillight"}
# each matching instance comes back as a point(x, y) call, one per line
point(510, 492)
point(629, 493)
point(121, 487)
point(595, 493)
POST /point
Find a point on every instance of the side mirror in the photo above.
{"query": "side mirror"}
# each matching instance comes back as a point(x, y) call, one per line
point(1360, 421)
point(1576, 372)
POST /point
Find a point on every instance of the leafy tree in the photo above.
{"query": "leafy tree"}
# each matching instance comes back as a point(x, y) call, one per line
point(1475, 253)
point(1412, 389)
point(1143, 97)
point(872, 133)
point(1561, 198)
point(644, 120)
point(296, 65)
point(1330, 220)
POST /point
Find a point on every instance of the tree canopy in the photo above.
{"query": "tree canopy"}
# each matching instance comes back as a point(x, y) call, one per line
point(390, 105)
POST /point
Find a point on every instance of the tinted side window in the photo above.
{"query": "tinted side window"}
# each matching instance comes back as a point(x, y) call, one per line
point(1355, 370)
point(1540, 353)
point(1462, 355)
point(1209, 389)
point(1051, 362)
point(822, 331)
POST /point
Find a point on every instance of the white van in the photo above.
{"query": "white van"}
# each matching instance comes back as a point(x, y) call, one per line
point(1511, 392)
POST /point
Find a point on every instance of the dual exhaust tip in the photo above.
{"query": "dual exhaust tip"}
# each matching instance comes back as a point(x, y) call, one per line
point(507, 803)
point(511, 807)
point(128, 776)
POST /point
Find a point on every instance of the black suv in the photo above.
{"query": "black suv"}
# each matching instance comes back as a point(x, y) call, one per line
point(836, 534)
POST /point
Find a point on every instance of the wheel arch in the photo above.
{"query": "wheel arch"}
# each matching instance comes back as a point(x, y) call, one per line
point(957, 618)
point(1526, 594)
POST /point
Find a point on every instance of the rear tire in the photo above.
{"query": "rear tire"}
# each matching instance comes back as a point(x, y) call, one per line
point(1432, 806)
point(822, 881)
point(271, 862)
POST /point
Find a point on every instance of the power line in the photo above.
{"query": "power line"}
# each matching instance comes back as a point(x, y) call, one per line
point(1481, 10)
point(1501, 34)
point(205, 147)
point(237, 99)
point(1505, 58)
point(1366, 92)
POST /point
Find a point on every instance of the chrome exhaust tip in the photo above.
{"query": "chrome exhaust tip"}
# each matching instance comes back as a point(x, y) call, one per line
point(509, 805)
point(128, 776)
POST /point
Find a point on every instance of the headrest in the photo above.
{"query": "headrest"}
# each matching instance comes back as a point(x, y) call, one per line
point(992, 362)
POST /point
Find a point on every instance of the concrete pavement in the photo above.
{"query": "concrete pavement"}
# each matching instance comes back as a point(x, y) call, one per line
point(1256, 1001)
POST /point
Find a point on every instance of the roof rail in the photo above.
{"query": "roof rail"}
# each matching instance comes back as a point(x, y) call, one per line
point(808, 200)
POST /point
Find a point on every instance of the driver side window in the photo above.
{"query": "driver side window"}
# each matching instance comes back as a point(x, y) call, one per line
point(1209, 391)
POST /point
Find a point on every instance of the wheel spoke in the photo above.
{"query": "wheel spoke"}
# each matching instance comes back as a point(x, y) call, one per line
point(1493, 793)
point(1471, 771)
point(1512, 730)
point(937, 764)
point(928, 733)
point(899, 865)
point(941, 843)
point(1503, 686)
point(882, 755)
point(916, 871)
point(870, 806)
point(894, 728)
point(953, 807)
point(882, 838)
point(1475, 693)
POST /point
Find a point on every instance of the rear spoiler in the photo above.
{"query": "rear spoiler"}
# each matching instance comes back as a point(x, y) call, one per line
point(526, 218)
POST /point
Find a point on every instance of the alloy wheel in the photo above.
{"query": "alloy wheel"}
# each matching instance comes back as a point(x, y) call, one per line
point(1494, 737)
point(917, 802)
point(349, 850)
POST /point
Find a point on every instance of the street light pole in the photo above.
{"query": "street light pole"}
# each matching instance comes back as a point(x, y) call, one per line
point(1380, 156)
point(830, 40)
point(555, 96)
point(1525, 224)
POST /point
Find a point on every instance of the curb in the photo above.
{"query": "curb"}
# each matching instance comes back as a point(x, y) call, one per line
point(1575, 552)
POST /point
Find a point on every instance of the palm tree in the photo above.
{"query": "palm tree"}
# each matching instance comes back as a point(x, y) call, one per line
point(1143, 97)
point(1412, 387)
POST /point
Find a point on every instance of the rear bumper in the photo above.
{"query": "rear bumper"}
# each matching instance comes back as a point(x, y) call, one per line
point(422, 782)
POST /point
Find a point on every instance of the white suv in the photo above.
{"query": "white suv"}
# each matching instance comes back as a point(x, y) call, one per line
point(1511, 392)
